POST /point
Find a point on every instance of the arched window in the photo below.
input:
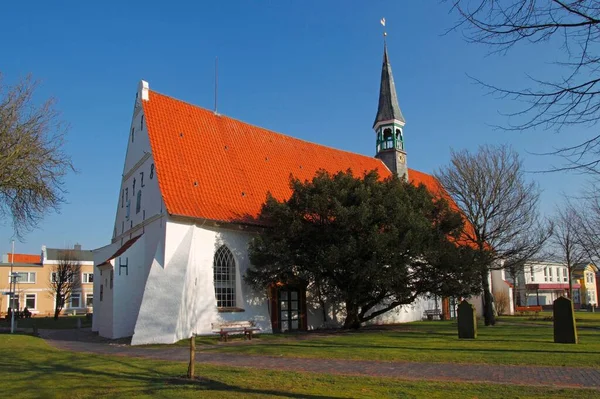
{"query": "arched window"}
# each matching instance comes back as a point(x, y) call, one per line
point(399, 140)
point(388, 138)
point(224, 277)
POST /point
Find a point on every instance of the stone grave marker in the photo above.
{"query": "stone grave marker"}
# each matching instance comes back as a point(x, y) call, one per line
point(467, 321)
point(565, 331)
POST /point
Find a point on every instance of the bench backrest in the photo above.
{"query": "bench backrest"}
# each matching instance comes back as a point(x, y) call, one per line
point(232, 324)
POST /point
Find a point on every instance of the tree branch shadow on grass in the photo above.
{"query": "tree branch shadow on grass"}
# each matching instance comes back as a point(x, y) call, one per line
point(33, 373)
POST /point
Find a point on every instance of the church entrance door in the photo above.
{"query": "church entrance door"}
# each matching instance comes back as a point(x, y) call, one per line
point(289, 309)
point(287, 303)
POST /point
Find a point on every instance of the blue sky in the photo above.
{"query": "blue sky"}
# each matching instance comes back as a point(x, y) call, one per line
point(309, 69)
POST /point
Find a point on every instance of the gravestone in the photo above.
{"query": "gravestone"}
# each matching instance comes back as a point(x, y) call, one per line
point(467, 321)
point(565, 331)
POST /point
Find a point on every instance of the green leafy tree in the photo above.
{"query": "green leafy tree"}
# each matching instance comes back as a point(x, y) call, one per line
point(368, 244)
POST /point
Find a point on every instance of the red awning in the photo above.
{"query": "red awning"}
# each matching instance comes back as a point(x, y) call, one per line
point(550, 286)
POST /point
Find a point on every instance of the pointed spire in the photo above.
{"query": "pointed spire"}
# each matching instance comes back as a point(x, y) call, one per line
point(388, 101)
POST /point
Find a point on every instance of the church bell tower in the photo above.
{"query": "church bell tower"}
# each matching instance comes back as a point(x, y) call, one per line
point(389, 123)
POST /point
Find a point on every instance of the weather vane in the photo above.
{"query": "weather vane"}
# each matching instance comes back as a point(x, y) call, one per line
point(383, 24)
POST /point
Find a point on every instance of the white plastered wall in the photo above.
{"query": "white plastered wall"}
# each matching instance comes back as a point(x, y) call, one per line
point(179, 297)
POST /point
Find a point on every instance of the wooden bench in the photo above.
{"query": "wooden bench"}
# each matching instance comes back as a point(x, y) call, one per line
point(235, 327)
point(528, 309)
point(431, 313)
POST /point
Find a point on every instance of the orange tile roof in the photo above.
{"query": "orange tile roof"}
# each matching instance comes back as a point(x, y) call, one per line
point(25, 258)
point(215, 167)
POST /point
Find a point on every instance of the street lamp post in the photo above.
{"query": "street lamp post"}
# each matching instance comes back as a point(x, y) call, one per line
point(13, 289)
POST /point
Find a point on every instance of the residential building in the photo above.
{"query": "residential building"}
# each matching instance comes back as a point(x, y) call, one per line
point(33, 284)
point(193, 182)
point(586, 294)
point(542, 282)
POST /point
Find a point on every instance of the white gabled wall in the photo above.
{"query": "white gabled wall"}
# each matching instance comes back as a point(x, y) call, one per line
point(180, 298)
point(139, 177)
point(116, 314)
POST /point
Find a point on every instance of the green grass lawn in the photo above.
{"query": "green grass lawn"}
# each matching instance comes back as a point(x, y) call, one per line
point(63, 322)
point(514, 340)
point(30, 368)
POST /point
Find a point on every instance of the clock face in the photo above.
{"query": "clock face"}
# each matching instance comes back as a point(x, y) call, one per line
point(401, 158)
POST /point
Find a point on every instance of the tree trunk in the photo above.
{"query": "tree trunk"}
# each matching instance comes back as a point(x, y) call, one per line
point(57, 308)
point(570, 284)
point(352, 319)
point(488, 307)
point(192, 365)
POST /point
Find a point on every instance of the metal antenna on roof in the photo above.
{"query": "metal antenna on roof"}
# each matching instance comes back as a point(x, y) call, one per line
point(216, 81)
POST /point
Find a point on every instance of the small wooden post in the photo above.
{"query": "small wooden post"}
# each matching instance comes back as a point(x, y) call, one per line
point(191, 366)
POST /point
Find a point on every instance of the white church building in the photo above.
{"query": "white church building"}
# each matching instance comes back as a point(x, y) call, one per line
point(192, 184)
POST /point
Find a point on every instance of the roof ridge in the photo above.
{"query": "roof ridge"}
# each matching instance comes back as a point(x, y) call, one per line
point(264, 128)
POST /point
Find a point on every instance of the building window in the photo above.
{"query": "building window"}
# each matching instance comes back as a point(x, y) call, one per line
point(224, 278)
point(101, 292)
point(88, 277)
point(133, 191)
point(132, 131)
point(142, 123)
point(152, 171)
point(54, 277)
point(531, 272)
point(546, 274)
point(138, 202)
point(112, 276)
point(550, 273)
point(142, 179)
point(23, 277)
point(122, 198)
point(30, 301)
point(127, 210)
point(75, 300)
point(89, 300)
point(565, 278)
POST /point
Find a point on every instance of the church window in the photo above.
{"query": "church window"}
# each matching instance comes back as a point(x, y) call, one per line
point(152, 171)
point(132, 133)
point(224, 278)
point(133, 191)
point(138, 202)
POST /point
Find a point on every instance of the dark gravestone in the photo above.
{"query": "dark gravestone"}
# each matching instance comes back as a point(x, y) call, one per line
point(467, 321)
point(565, 331)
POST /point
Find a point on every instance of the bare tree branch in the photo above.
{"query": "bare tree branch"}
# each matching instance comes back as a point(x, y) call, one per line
point(501, 208)
point(574, 26)
point(66, 277)
point(33, 163)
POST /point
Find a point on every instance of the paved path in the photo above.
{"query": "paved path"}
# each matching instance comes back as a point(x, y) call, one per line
point(85, 341)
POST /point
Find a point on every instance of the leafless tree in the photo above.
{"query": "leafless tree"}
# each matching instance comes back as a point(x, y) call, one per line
point(33, 162)
point(568, 248)
point(585, 212)
point(66, 277)
point(501, 209)
point(573, 97)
